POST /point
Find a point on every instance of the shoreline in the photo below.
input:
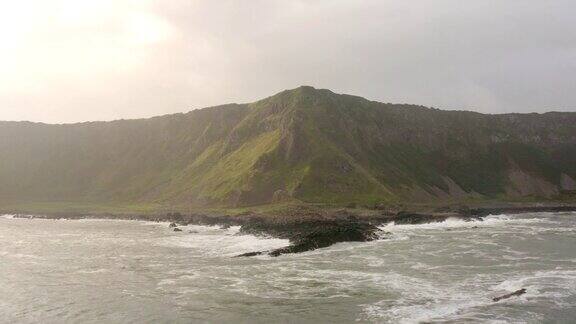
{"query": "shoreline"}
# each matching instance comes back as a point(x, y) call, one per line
point(310, 228)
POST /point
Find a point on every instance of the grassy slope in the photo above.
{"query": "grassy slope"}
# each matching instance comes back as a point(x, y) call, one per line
point(304, 144)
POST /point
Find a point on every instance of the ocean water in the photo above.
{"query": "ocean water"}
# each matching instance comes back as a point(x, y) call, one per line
point(96, 271)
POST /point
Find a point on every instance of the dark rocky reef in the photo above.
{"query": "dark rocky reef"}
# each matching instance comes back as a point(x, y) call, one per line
point(423, 218)
point(338, 226)
point(313, 234)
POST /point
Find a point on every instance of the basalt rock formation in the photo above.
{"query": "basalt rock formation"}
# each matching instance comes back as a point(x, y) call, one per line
point(307, 235)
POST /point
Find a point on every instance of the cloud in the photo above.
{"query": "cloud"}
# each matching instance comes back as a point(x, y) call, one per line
point(72, 60)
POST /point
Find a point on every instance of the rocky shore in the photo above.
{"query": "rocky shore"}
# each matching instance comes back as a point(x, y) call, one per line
point(310, 228)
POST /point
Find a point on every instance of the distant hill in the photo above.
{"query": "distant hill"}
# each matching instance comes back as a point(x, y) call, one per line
point(303, 144)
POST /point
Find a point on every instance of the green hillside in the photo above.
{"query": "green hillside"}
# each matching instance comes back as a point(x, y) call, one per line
point(305, 144)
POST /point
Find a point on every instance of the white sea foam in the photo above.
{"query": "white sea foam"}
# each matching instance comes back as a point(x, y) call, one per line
point(489, 221)
point(107, 220)
point(549, 284)
point(218, 241)
point(448, 223)
point(93, 271)
point(426, 300)
point(419, 300)
point(164, 282)
point(19, 255)
point(434, 276)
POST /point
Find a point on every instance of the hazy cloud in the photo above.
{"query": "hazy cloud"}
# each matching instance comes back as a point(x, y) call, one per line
point(75, 60)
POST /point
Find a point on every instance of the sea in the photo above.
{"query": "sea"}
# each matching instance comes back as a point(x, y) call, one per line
point(108, 271)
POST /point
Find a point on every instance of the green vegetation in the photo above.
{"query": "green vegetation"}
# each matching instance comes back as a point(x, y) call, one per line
point(75, 207)
point(300, 146)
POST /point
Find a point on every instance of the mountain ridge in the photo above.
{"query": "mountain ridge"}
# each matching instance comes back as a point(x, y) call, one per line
point(304, 144)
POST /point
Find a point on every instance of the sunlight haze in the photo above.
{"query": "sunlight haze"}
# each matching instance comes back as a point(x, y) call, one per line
point(70, 60)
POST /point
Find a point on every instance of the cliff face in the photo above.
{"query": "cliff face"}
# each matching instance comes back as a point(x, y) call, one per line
point(306, 144)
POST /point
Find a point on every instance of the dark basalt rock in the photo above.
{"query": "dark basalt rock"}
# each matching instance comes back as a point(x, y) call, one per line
point(176, 229)
point(415, 218)
point(329, 235)
point(250, 254)
point(313, 234)
point(519, 292)
point(407, 218)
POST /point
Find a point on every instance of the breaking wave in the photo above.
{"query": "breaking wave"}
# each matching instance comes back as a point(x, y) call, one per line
point(217, 241)
point(489, 221)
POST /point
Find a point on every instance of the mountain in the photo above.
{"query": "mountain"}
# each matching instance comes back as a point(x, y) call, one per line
point(305, 144)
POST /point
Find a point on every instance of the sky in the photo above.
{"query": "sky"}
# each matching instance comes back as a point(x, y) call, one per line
point(65, 61)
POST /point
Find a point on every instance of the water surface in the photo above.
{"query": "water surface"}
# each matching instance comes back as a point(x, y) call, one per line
point(95, 271)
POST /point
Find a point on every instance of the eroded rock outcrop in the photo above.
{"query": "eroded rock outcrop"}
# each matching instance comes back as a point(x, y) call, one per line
point(315, 234)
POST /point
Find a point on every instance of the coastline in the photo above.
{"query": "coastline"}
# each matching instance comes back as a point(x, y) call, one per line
point(310, 227)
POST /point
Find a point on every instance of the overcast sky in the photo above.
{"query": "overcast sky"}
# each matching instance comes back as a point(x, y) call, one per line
point(79, 60)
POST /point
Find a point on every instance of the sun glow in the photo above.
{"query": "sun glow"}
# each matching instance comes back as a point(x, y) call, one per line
point(143, 28)
point(42, 42)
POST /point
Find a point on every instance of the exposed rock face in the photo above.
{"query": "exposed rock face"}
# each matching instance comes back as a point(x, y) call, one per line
point(456, 192)
point(567, 183)
point(415, 218)
point(315, 234)
point(280, 196)
point(421, 218)
point(329, 235)
point(524, 184)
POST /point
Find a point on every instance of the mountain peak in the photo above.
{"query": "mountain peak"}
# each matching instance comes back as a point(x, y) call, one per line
point(306, 87)
point(306, 91)
point(302, 96)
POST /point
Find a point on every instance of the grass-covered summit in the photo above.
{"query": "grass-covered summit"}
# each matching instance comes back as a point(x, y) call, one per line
point(304, 144)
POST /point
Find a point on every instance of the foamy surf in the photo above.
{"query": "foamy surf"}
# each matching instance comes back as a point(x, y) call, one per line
point(428, 301)
point(452, 223)
point(431, 275)
point(216, 241)
point(552, 285)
